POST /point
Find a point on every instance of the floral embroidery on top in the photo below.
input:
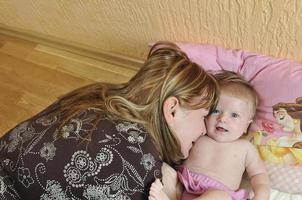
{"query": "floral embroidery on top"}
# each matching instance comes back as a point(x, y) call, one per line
point(20, 134)
point(104, 157)
point(82, 166)
point(78, 128)
point(103, 192)
point(54, 192)
point(134, 137)
point(148, 161)
point(48, 151)
point(24, 176)
point(74, 126)
point(128, 127)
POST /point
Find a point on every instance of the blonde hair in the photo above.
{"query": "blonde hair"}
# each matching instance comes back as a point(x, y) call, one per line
point(167, 72)
point(238, 86)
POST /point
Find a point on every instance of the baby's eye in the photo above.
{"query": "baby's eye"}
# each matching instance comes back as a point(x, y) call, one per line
point(235, 115)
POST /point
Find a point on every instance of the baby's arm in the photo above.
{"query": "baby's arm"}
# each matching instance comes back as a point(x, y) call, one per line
point(171, 187)
point(156, 191)
point(257, 174)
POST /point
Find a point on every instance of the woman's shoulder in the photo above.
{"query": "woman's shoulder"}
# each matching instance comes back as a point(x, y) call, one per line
point(132, 134)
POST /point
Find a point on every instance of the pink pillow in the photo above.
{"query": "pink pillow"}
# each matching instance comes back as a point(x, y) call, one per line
point(276, 80)
point(279, 85)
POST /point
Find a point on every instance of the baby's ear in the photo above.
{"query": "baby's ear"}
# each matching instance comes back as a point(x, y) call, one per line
point(248, 126)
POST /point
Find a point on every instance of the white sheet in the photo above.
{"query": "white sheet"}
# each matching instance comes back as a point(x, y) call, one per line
point(274, 194)
point(277, 195)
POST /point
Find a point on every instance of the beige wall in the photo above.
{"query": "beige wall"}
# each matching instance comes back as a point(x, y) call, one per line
point(271, 27)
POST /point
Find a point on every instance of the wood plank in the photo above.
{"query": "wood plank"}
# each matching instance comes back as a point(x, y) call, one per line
point(32, 76)
point(27, 88)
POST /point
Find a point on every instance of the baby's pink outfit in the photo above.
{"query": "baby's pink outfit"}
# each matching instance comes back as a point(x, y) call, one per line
point(196, 184)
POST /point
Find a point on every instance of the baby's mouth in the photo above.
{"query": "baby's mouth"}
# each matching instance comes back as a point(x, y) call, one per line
point(221, 129)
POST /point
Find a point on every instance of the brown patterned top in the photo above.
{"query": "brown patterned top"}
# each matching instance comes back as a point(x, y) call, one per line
point(118, 162)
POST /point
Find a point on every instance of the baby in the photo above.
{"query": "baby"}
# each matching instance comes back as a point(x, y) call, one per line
point(218, 160)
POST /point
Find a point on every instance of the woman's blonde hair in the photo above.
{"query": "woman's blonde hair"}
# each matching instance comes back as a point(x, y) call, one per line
point(167, 72)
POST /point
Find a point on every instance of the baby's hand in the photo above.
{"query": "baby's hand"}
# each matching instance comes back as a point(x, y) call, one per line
point(156, 192)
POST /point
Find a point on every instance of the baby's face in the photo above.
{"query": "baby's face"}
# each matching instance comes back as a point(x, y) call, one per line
point(230, 120)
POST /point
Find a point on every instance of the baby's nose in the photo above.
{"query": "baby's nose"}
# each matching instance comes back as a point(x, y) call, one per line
point(222, 118)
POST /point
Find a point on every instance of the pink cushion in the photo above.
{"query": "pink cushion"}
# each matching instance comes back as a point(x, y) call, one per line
point(276, 80)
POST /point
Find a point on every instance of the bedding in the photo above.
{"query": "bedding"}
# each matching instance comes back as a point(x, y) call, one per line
point(276, 130)
point(274, 194)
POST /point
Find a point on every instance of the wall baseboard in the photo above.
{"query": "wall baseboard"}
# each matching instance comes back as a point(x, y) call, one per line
point(72, 47)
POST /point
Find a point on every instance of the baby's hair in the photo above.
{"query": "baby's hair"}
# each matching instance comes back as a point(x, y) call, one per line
point(236, 85)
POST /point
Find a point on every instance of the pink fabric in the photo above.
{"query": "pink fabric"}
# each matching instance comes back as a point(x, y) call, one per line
point(196, 184)
point(276, 80)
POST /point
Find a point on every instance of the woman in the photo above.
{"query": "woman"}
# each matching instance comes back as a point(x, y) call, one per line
point(107, 141)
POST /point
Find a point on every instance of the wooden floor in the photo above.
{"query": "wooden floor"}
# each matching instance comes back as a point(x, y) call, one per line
point(32, 76)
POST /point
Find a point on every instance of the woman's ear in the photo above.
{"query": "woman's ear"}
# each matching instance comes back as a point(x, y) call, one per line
point(169, 108)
